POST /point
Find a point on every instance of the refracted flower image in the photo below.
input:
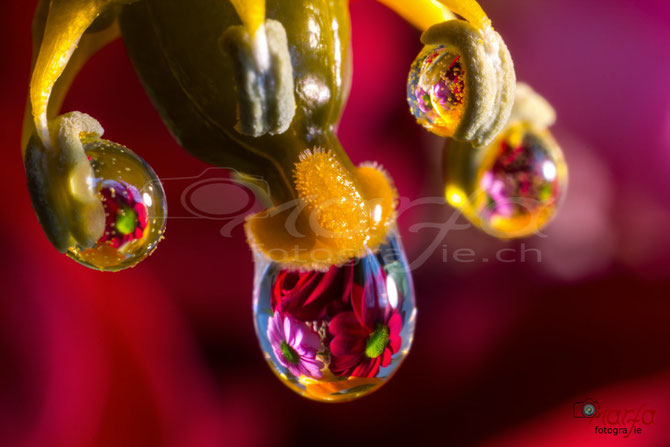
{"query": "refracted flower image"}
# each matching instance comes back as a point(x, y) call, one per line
point(365, 338)
point(125, 213)
point(134, 206)
point(436, 89)
point(338, 334)
point(295, 345)
point(360, 348)
point(313, 295)
point(522, 182)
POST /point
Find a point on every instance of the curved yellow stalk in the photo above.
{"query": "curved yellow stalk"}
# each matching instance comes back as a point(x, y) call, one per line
point(425, 13)
point(420, 13)
point(89, 44)
point(66, 23)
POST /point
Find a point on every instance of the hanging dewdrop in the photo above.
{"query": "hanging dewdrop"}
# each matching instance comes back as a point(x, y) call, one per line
point(514, 186)
point(462, 83)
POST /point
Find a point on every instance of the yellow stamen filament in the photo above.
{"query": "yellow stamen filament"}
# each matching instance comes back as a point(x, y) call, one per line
point(68, 19)
point(425, 13)
point(420, 13)
point(251, 12)
point(66, 23)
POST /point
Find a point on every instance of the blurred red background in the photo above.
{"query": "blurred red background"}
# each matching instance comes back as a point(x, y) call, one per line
point(165, 354)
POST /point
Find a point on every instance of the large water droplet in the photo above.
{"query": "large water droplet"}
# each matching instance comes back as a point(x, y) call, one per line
point(336, 335)
point(513, 187)
point(436, 89)
point(134, 204)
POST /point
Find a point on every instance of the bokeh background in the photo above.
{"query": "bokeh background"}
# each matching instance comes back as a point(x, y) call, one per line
point(165, 354)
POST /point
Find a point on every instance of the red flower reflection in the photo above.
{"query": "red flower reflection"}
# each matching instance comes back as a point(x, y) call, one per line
point(126, 213)
point(309, 296)
point(364, 340)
